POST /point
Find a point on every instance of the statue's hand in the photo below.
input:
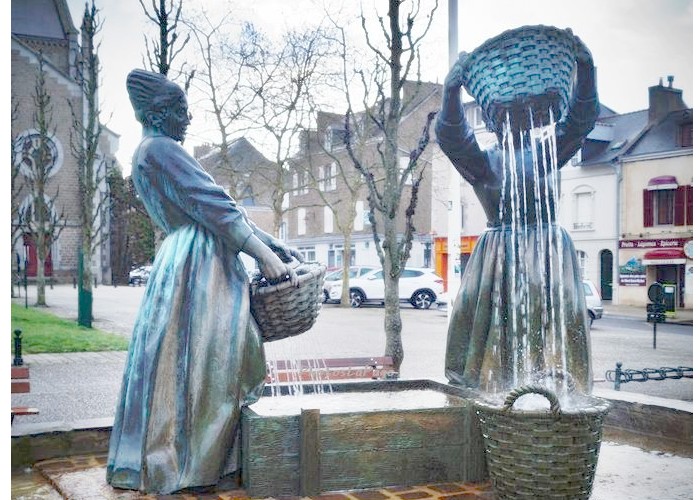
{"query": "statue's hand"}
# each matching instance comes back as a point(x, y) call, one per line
point(455, 77)
point(277, 271)
point(285, 253)
point(582, 54)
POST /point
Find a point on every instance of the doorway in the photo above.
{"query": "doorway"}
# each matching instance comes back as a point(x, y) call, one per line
point(606, 274)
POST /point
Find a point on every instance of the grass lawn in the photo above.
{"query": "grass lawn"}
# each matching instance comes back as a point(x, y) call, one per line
point(43, 332)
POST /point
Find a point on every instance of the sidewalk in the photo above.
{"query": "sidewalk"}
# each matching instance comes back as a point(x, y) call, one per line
point(680, 316)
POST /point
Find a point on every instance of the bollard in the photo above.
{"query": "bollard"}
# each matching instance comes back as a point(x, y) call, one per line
point(75, 282)
point(18, 361)
point(618, 375)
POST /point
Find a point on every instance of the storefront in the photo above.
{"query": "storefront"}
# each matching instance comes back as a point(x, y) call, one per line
point(467, 245)
point(668, 261)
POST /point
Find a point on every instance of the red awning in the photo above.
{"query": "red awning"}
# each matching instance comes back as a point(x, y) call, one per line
point(663, 182)
point(664, 256)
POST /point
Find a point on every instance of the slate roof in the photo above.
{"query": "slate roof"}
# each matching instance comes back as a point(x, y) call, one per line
point(42, 18)
point(625, 129)
point(662, 136)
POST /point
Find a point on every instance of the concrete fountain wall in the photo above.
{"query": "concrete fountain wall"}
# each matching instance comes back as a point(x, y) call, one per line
point(311, 452)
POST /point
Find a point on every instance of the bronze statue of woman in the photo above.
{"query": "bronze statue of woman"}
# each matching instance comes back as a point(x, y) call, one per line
point(489, 346)
point(196, 355)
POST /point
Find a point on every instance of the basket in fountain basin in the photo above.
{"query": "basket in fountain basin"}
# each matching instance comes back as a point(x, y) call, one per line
point(283, 310)
point(527, 68)
point(549, 453)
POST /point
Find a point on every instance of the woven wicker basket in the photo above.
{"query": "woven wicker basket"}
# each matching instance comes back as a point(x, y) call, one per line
point(547, 454)
point(531, 67)
point(283, 310)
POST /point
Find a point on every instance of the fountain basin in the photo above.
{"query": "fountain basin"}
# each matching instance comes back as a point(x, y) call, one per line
point(422, 432)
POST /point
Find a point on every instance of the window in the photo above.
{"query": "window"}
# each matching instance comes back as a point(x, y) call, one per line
point(28, 153)
point(327, 220)
point(326, 177)
point(282, 234)
point(248, 199)
point(359, 222)
point(329, 138)
point(301, 221)
point(583, 209)
point(685, 136)
point(335, 255)
point(663, 206)
point(582, 258)
point(308, 253)
point(403, 165)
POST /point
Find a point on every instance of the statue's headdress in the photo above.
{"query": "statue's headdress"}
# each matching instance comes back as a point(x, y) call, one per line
point(149, 91)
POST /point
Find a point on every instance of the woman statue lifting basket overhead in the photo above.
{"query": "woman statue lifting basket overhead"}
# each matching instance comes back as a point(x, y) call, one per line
point(520, 311)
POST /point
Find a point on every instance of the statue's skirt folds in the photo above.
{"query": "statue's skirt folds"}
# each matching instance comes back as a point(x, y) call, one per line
point(515, 314)
point(195, 358)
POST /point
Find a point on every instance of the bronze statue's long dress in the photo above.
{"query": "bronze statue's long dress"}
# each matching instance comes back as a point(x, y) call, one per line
point(195, 356)
point(490, 346)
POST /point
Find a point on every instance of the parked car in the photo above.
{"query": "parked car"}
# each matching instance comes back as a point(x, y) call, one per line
point(593, 302)
point(139, 276)
point(418, 286)
point(337, 277)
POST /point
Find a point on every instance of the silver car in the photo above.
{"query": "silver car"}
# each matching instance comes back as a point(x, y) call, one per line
point(593, 302)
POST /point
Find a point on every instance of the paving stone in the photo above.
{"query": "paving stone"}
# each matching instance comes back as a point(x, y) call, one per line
point(369, 495)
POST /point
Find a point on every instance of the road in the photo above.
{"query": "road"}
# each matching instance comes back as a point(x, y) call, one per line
point(86, 385)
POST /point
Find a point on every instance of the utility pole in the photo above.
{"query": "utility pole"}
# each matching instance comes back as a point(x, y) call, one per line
point(454, 207)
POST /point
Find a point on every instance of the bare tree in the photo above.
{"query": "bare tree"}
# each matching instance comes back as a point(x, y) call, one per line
point(84, 143)
point(385, 179)
point(286, 82)
point(222, 75)
point(15, 188)
point(35, 156)
point(162, 51)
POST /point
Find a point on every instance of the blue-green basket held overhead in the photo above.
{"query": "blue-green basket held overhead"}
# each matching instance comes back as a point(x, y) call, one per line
point(523, 69)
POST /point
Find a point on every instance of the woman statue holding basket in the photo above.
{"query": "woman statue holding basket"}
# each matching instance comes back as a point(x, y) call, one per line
point(196, 356)
point(520, 311)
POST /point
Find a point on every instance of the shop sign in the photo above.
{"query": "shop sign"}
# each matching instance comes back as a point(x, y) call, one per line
point(633, 273)
point(661, 243)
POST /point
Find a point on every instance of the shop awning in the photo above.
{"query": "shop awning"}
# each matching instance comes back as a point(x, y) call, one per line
point(662, 256)
point(663, 182)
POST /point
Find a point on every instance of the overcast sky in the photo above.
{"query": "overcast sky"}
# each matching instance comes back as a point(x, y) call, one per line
point(633, 42)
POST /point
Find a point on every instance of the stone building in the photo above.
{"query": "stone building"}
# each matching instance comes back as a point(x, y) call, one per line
point(328, 194)
point(45, 27)
point(248, 177)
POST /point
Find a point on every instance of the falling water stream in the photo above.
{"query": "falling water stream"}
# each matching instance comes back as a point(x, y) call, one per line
point(537, 325)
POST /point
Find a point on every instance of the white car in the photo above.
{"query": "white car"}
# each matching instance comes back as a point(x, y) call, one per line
point(140, 275)
point(337, 277)
point(593, 302)
point(418, 286)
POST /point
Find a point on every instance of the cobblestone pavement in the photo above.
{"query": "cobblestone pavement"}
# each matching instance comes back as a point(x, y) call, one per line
point(83, 478)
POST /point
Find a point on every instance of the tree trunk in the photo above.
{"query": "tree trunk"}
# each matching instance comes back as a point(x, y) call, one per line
point(345, 296)
point(84, 288)
point(40, 263)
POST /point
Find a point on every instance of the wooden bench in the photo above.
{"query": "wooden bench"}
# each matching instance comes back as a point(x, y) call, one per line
point(20, 384)
point(320, 370)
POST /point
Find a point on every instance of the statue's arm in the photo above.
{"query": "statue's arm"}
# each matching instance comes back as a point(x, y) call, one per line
point(184, 183)
point(453, 133)
point(583, 109)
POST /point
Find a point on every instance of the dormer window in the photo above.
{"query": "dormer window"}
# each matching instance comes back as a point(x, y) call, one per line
point(685, 135)
point(329, 138)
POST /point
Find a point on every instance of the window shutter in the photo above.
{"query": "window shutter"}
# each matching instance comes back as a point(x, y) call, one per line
point(679, 206)
point(689, 205)
point(648, 199)
point(321, 180)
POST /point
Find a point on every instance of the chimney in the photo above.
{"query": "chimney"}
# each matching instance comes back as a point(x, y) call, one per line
point(663, 100)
